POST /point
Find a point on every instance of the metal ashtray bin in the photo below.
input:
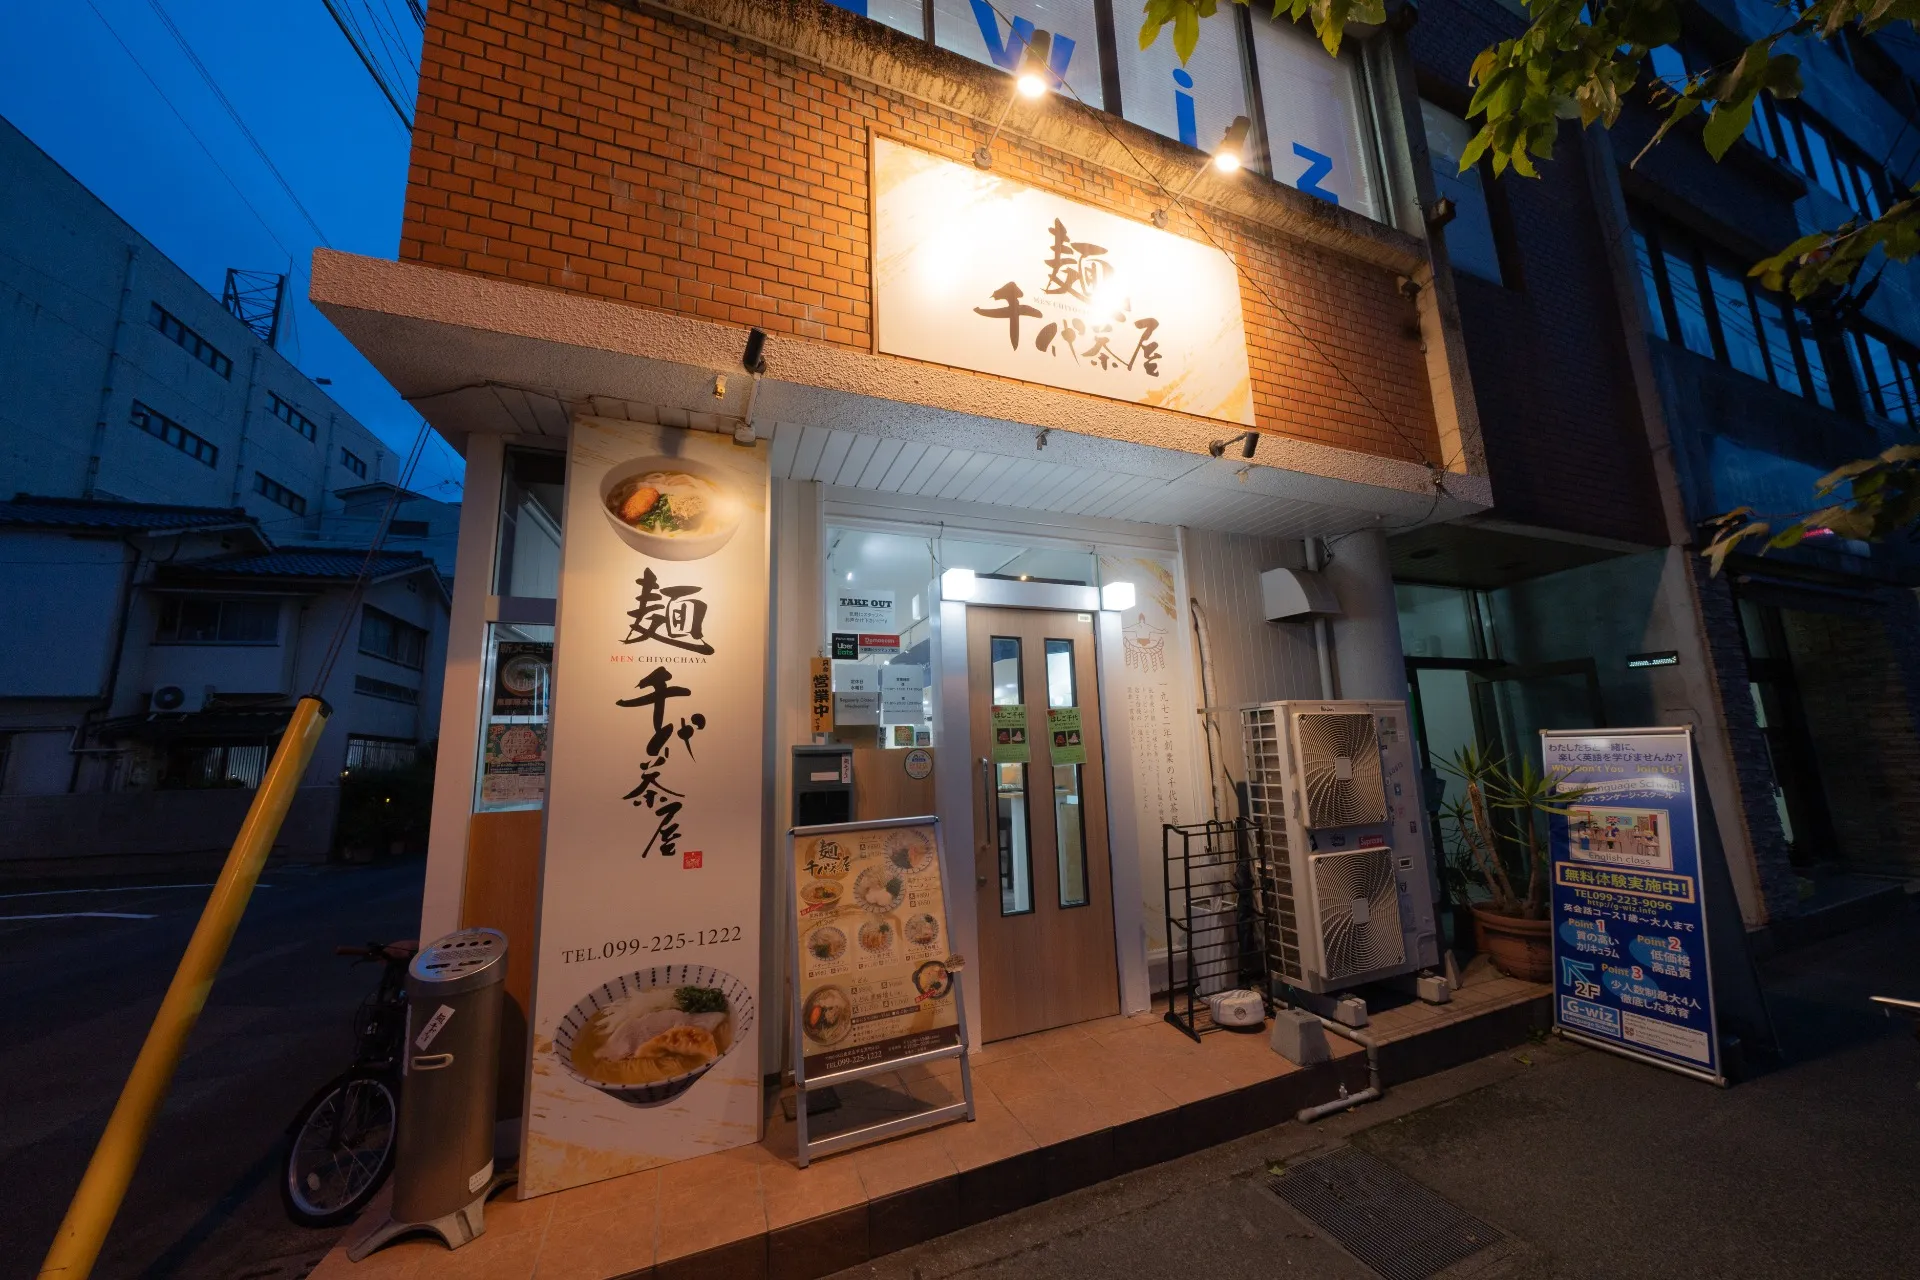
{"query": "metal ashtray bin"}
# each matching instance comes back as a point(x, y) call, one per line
point(443, 1160)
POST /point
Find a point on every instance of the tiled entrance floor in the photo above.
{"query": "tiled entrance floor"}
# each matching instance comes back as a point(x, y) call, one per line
point(1056, 1111)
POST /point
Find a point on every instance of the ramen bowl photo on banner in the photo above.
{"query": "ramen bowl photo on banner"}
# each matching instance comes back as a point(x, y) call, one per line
point(646, 1015)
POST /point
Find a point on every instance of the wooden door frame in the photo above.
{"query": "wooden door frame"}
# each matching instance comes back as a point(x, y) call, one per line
point(956, 774)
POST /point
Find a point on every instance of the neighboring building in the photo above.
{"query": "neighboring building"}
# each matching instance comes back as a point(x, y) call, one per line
point(121, 378)
point(605, 200)
point(1633, 382)
point(154, 654)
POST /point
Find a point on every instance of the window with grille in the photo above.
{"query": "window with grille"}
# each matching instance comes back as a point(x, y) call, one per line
point(189, 341)
point(161, 427)
point(385, 689)
point(275, 492)
point(211, 620)
point(280, 409)
point(384, 636)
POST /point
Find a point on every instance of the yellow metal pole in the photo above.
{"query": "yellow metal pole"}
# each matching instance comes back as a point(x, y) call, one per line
point(76, 1246)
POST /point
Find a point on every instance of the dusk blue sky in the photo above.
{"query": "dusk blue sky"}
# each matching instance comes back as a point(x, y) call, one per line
point(70, 87)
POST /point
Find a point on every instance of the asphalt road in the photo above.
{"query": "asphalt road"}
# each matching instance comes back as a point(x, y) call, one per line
point(1589, 1165)
point(82, 983)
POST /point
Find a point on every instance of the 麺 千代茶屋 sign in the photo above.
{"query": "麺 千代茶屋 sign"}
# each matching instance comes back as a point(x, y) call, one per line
point(646, 1043)
point(980, 272)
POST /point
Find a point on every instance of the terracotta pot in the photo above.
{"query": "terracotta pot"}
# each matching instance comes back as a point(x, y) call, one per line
point(1519, 948)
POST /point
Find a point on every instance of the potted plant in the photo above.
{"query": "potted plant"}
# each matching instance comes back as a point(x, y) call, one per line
point(1499, 828)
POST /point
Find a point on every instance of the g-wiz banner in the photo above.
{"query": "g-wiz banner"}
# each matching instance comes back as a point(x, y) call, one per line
point(977, 271)
point(645, 1009)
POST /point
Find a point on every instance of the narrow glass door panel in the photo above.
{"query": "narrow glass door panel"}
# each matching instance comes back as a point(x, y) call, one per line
point(1010, 789)
point(1068, 812)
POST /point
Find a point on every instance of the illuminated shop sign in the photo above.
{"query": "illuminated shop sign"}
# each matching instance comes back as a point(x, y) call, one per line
point(979, 272)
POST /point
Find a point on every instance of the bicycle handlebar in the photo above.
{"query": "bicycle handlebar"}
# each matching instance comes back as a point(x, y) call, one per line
point(395, 951)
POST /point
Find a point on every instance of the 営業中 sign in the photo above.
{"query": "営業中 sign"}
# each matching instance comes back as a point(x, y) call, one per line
point(646, 1044)
point(979, 272)
point(1630, 949)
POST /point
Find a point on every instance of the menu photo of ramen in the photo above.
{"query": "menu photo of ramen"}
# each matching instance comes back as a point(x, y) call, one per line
point(874, 985)
point(671, 508)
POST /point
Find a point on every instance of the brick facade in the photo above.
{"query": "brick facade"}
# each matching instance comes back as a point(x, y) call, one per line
point(622, 151)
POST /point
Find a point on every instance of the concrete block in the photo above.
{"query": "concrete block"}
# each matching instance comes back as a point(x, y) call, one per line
point(1298, 1037)
point(1433, 988)
point(1350, 1011)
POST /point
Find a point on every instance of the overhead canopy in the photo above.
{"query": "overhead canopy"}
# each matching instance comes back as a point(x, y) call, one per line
point(481, 355)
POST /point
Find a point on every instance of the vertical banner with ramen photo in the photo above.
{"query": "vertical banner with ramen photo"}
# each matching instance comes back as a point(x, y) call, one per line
point(877, 984)
point(645, 1048)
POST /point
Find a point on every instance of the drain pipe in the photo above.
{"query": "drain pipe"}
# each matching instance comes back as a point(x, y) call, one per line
point(1346, 1101)
point(1322, 630)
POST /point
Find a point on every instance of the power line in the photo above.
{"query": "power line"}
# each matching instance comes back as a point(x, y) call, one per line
point(240, 124)
point(367, 61)
point(141, 67)
point(1178, 201)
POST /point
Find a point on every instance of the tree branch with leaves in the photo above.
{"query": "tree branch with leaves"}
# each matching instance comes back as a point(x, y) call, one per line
point(1581, 61)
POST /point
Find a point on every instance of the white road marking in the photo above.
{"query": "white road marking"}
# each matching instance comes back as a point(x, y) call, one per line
point(131, 888)
point(82, 915)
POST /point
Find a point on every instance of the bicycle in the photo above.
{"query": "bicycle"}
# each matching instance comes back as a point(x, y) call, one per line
point(340, 1146)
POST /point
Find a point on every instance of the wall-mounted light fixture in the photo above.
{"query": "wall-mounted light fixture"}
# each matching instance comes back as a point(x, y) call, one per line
point(1031, 79)
point(957, 584)
point(1247, 440)
point(1117, 597)
point(1227, 158)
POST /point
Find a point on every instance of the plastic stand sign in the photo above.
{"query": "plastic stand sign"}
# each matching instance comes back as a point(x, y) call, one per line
point(1632, 966)
point(876, 986)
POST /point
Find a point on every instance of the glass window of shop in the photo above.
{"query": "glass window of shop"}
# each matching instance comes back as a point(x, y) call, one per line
point(882, 589)
point(517, 661)
point(996, 33)
point(1317, 125)
point(527, 555)
point(1319, 130)
point(1194, 101)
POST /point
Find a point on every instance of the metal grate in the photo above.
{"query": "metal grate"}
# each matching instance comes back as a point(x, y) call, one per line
point(1391, 1223)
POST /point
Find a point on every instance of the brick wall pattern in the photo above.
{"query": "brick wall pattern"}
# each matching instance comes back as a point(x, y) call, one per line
point(621, 152)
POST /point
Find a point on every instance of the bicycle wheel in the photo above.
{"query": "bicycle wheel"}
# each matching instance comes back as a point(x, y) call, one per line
point(340, 1148)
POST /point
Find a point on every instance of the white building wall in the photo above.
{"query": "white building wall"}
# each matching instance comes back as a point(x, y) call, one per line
point(62, 276)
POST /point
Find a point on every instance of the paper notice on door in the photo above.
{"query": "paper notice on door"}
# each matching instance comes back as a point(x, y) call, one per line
point(1064, 742)
point(902, 704)
point(1010, 744)
point(856, 708)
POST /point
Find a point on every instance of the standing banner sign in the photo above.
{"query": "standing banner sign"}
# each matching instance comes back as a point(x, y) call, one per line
point(1631, 956)
point(876, 986)
point(645, 1044)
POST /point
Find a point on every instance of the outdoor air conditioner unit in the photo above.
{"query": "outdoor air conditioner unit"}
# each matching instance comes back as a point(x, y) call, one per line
point(1334, 797)
point(171, 697)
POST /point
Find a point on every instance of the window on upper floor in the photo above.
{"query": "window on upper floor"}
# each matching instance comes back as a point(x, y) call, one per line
point(1888, 373)
point(354, 463)
point(284, 411)
point(408, 528)
point(1789, 133)
point(1471, 243)
point(1705, 301)
point(997, 32)
point(161, 427)
point(210, 620)
point(385, 689)
point(384, 636)
point(192, 343)
point(1315, 122)
point(275, 492)
point(1193, 102)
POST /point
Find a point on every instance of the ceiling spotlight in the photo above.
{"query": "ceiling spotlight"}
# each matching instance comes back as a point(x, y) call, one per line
point(1031, 79)
point(1247, 440)
point(1228, 157)
point(1231, 153)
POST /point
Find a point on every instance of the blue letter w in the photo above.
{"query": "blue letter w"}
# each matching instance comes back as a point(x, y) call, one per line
point(1006, 54)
